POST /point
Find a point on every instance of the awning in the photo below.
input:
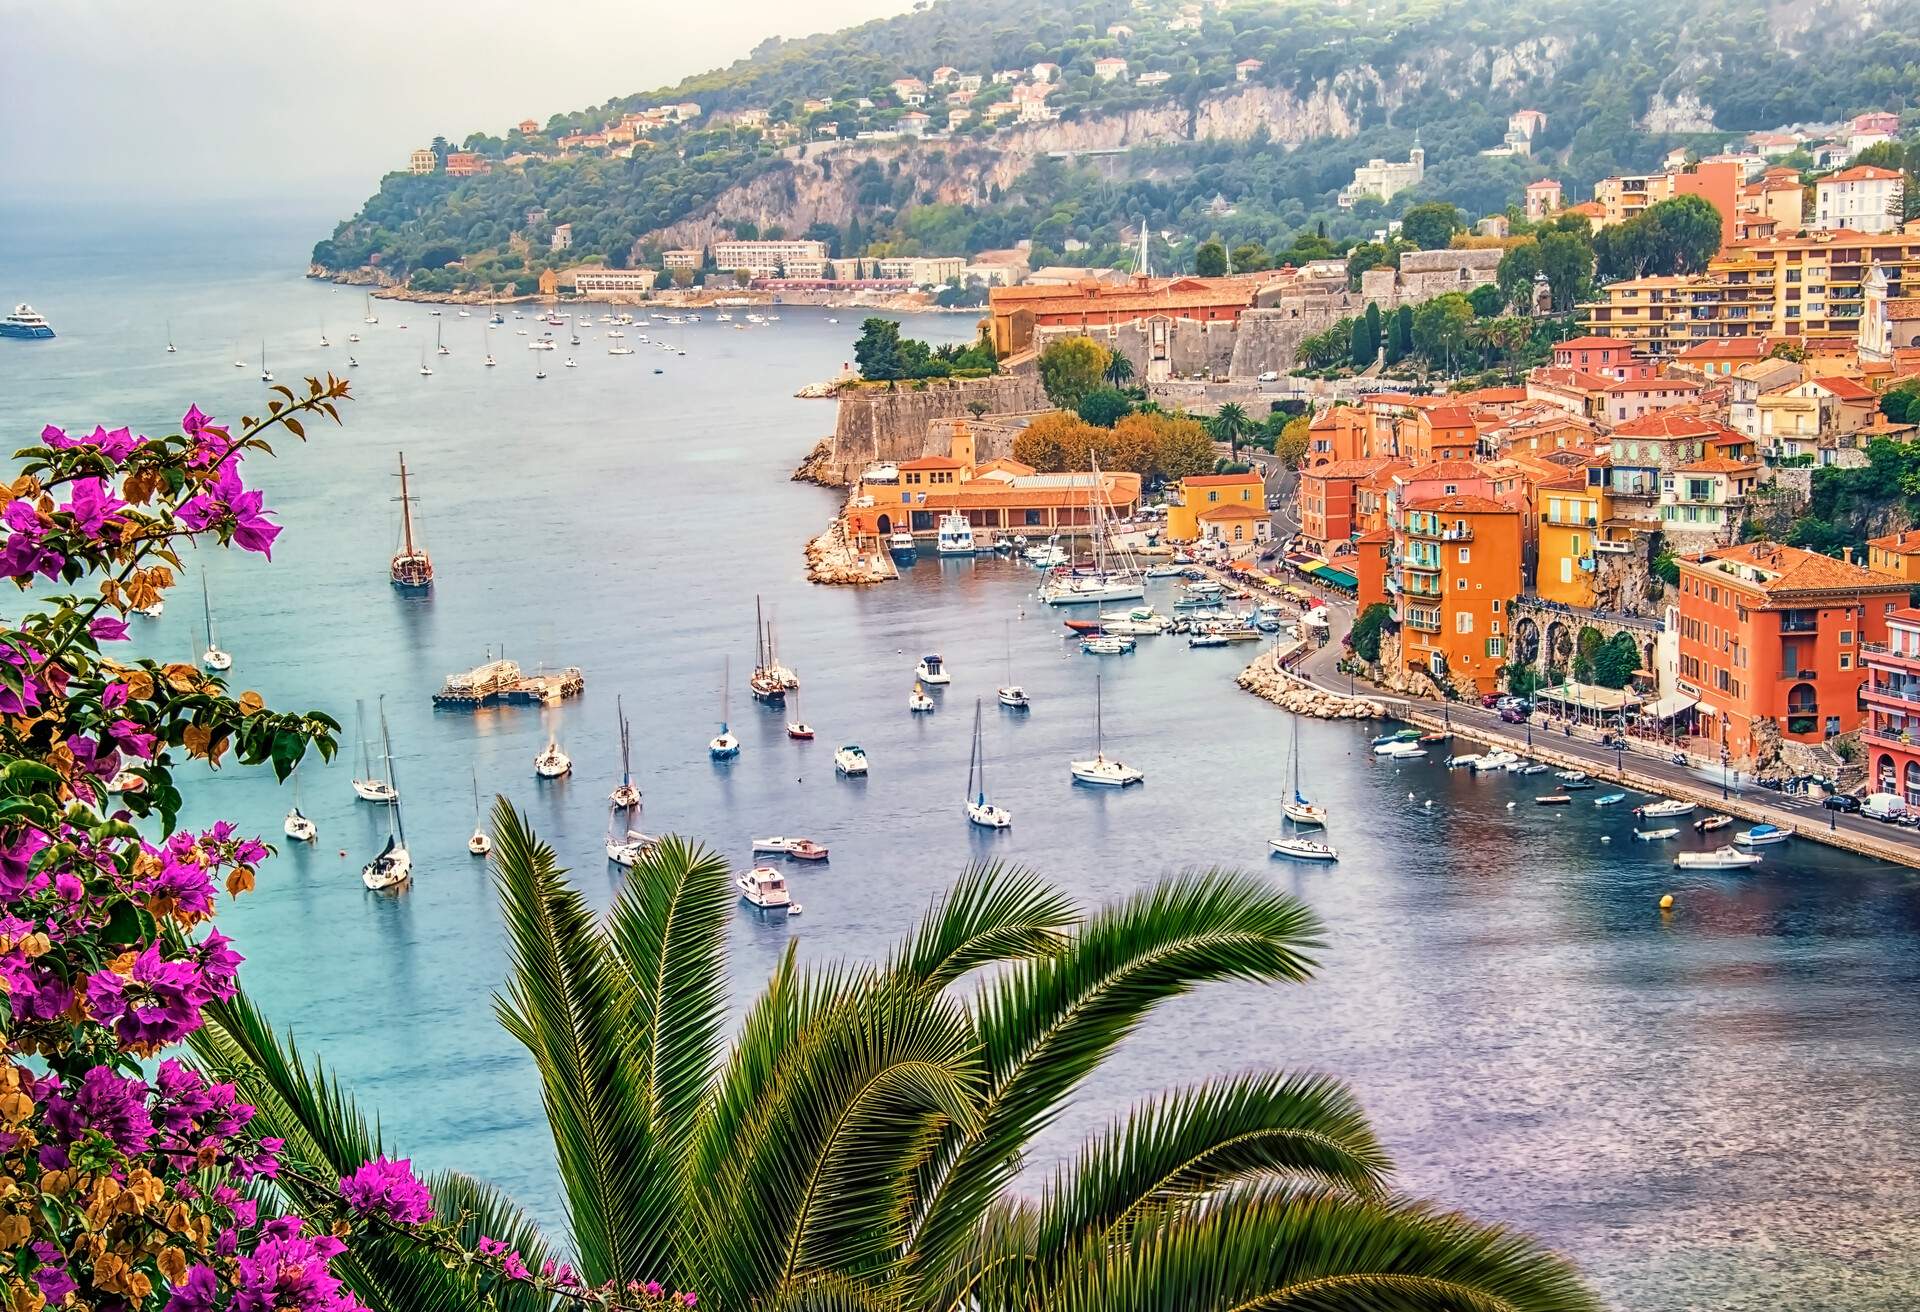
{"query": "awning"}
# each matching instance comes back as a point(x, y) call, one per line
point(1588, 696)
point(1337, 577)
point(1674, 703)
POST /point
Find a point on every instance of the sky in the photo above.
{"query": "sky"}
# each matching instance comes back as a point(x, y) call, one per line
point(164, 102)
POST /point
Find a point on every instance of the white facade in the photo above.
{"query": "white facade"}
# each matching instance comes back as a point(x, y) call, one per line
point(1383, 181)
point(588, 281)
point(1860, 198)
point(1108, 70)
point(765, 258)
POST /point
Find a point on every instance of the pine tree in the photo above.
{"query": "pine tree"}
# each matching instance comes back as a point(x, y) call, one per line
point(1364, 346)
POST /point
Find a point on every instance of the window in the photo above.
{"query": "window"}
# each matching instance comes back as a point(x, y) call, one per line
point(1846, 638)
point(1496, 648)
point(1493, 627)
point(1463, 622)
point(1846, 660)
point(1466, 554)
point(1496, 605)
point(1460, 585)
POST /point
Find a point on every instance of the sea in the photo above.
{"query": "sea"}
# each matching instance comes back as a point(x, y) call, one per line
point(1708, 1108)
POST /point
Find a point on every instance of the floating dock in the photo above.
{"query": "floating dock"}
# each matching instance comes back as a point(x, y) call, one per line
point(501, 683)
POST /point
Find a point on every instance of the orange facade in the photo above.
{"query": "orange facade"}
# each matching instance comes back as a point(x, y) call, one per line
point(1459, 569)
point(1328, 506)
point(1372, 558)
point(1018, 313)
point(1891, 735)
point(1771, 640)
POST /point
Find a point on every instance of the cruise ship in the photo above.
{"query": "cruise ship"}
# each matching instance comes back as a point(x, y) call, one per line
point(25, 321)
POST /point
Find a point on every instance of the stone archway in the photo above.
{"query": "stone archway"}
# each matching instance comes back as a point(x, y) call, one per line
point(1559, 650)
point(1647, 652)
point(1526, 641)
point(886, 525)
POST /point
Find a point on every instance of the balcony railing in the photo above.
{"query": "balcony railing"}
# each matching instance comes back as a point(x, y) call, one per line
point(1788, 625)
point(1907, 694)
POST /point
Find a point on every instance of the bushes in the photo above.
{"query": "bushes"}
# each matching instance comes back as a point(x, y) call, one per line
point(1365, 635)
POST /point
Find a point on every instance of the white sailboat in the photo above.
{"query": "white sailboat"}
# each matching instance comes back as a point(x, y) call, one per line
point(1297, 808)
point(238, 362)
point(439, 347)
point(170, 346)
point(424, 371)
point(1098, 769)
point(552, 763)
point(266, 374)
point(213, 658)
point(1011, 694)
point(297, 826)
point(624, 851)
point(324, 343)
point(979, 810)
point(479, 844)
point(371, 316)
point(1111, 580)
point(371, 787)
point(626, 796)
point(394, 866)
point(724, 746)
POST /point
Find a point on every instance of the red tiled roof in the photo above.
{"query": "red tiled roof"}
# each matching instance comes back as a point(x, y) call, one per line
point(1450, 416)
point(1464, 503)
point(1233, 510)
point(1907, 541)
point(1444, 469)
point(1799, 570)
point(1653, 385)
point(1846, 388)
point(1591, 343)
point(1670, 423)
point(1718, 465)
point(1495, 395)
point(1725, 348)
point(1360, 468)
point(1861, 173)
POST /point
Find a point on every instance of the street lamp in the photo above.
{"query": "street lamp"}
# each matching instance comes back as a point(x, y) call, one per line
point(1723, 756)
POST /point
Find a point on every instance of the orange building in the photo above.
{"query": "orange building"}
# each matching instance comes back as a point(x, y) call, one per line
point(1372, 558)
point(1459, 570)
point(1897, 554)
point(996, 496)
point(1445, 432)
point(1770, 643)
point(1018, 313)
point(1342, 433)
point(1891, 734)
point(1327, 498)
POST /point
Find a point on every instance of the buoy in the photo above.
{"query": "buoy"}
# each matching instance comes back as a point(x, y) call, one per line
point(1666, 901)
point(1409, 797)
point(1606, 838)
point(1428, 804)
point(1510, 806)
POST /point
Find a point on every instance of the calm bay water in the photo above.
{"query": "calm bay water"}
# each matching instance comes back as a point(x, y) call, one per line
point(1707, 1110)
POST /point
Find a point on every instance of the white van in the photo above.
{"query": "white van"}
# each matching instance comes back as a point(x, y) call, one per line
point(1884, 807)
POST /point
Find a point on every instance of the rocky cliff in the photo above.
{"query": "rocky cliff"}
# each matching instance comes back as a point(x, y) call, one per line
point(876, 424)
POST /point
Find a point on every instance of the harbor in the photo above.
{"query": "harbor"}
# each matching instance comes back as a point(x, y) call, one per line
point(501, 683)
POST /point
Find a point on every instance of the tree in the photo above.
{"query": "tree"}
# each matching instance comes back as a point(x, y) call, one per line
point(1229, 424)
point(1291, 446)
point(1178, 447)
point(1057, 441)
point(1375, 325)
point(877, 350)
point(1119, 369)
point(1901, 403)
point(1431, 226)
point(1365, 634)
point(1104, 406)
point(1518, 268)
point(1365, 341)
point(1687, 233)
point(1369, 255)
point(1614, 661)
point(1440, 329)
point(440, 149)
point(1210, 260)
point(1567, 261)
point(1400, 337)
point(977, 407)
point(1070, 367)
point(863, 1128)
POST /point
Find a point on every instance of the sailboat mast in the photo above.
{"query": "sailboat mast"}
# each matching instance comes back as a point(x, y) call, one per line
point(406, 505)
point(206, 609)
point(399, 825)
point(1098, 735)
point(759, 636)
point(626, 741)
point(973, 756)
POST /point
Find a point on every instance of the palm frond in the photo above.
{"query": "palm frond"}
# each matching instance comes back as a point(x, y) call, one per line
point(565, 1001)
point(1045, 1023)
point(1275, 1249)
point(994, 913)
point(1182, 1147)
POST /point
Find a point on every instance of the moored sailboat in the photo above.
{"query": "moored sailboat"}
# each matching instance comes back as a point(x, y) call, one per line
point(763, 683)
point(724, 746)
point(479, 844)
point(368, 786)
point(297, 826)
point(979, 810)
point(1297, 808)
point(626, 796)
point(1098, 769)
point(213, 658)
point(411, 566)
point(394, 865)
point(552, 763)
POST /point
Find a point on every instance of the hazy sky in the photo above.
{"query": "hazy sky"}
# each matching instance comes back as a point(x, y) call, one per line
point(160, 100)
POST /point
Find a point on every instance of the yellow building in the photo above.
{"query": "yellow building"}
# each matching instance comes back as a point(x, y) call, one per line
point(1572, 524)
point(1897, 554)
point(1205, 492)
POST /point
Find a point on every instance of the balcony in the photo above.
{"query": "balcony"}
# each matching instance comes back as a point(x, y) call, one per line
point(1897, 694)
point(1424, 620)
point(1457, 535)
point(1878, 655)
point(1899, 743)
point(1790, 623)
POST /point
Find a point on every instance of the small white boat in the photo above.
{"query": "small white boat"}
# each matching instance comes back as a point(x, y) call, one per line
point(570, 364)
point(899, 542)
point(1665, 807)
point(299, 828)
point(1463, 758)
point(1098, 769)
point(552, 763)
point(213, 658)
point(1571, 776)
point(624, 852)
point(1297, 808)
point(980, 811)
point(353, 337)
point(369, 786)
point(479, 844)
point(152, 612)
point(619, 350)
point(918, 702)
point(1721, 858)
point(1654, 835)
point(955, 536)
point(1296, 848)
point(1014, 696)
point(778, 845)
point(724, 746)
point(625, 795)
point(1529, 768)
point(1106, 644)
point(1498, 759)
point(394, 865)
point(1402, 751)
point(539, 373)
point(1763, 835)
point(850, 761)
point(764, 887)
point(932, 671)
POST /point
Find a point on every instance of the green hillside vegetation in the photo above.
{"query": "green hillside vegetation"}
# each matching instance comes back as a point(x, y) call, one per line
point(1614, 60)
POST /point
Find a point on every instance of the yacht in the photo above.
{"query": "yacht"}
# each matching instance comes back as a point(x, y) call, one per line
point(1664, 808)
point(1111, 579)
point(851, 761)
point(1763, 835)
point(979, 810)
point(25, 321)
point(900, 544)
point(1302, 849)
point(956, 535)
point(552, 763)
point(1098, 769)
point(619, 350)
point(394, 866)
point(1721, 858)
point(932, 670)
point(1498, 759)
point(368, 786)
point(797, 728)
point(411, 566)
point(764, 887)
point(1105, 644)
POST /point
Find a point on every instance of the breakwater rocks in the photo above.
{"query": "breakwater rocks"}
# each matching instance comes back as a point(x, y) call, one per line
point(832, 560)
point(818, 466)
point(1266, 680)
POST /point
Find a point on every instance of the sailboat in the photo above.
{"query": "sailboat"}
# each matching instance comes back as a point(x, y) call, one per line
point(213, 658)
point(238, 363)
point(1099, 770)
point(1297, 808)
point(297, 826)
point(371, 316)
point(324, 343)
point(1110, 580)
point(424, 371)
point(393, 867)
point(170, 346)
point(626, 796)
point(552, 763)
point(725, 746)
point(764, 684)
point(266, 374)
point(1012, 694)
point(479, 844)
point(494, 320)
point(371, 787)
point(411, 566)
point(439, 347)
point(798, 728)
point(979, 810)
point(625, 851)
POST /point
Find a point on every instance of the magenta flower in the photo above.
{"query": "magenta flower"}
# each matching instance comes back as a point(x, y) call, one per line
point(228, 505)
point(93, 506)
point(106, 628)
point(487, 1247)
point(25, 553)
point(197, 1293)
point(158, 1005)
point(513, 1268)
point(654, 1289)
point(113, 1104)
point(289, 1272)
point(388, 1188)
point(117, 445)
point(133, 738)
point(691, 1300)
point(55, 1281)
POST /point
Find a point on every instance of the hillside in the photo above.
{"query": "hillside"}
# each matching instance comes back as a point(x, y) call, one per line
point(813, 136)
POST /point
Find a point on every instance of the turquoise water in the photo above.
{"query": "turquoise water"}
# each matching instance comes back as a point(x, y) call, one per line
point(1706, 1110)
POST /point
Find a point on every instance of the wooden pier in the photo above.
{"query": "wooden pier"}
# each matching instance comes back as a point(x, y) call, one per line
point(501, 683)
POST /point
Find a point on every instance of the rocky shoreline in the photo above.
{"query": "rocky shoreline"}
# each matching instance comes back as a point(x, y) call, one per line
point(1268, 680)
point(832, 560)
point(818, 467)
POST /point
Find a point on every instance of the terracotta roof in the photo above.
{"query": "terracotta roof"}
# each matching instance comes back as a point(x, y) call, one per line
point(1360, 468)
point(1653, 385)
point(1797, 570)
point(1465, 504)
point(1586, 382)
point(1677, 422)
point(1592, 343)
point(1846, 388)
point(1233, 510)
point(1718, 465)
point(1497, 395)
point(1450, 416)
point(1906, 541)
point(1588, 208)
point(1861, 173)
point(1572, 479)
point(1214, 480)
point(1725, 348)
point(1444, 469)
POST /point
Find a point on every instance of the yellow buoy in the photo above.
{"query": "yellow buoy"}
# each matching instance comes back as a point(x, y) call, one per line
point(1666, 901)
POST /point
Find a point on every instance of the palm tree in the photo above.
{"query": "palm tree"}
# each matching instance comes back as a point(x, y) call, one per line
point(855, 1146)
point(1230, 424)
point(1119, 369)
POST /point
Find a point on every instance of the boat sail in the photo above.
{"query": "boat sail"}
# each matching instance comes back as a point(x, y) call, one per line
point(626, 796)
point(213, 658)
point(1111, 580)
point(979, 810)
point(1099, 770)
point(171, 348)
point(411, 566)
point(724, 746)
point(393, 867)
point(1297, 808)
point(764, 683)
point(371, 787)
point(371, 316)
point(479, 844)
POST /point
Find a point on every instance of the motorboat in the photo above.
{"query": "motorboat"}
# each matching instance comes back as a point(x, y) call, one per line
point(1531, 767)
point(1165, 571)
point(1575, 785)
point(1571, 776)
point(776, 845)
point(570, 363)
point(1708, 823)
point(1014, 697)
point(805, 849)
point(619, 350)
point(918, 702)
point(851, 761)
point(1655, 835)
point(955, 536)
point(764, 887)
point(1397, 736)
point(1609, 799)
point(1297, 848)
point(552, 763)
point(1106, 644)
point(1098, 769)
point(900, 544)
point(1405, 752)
point(980, 811)
point(153, 612)
point(1498, 759)
point(1209, 640)
point(1721, 858)
point(1462, 758)
point(1764, 835)
point(1553, 799)
point(1664, 807)
point(932, 670)
point(25, 321)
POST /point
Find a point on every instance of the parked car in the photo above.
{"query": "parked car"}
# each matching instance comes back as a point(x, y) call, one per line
point(1843, 802)
point(1270, 376)
point(1492, 699)
point(1884, 807)
point(1513, 715)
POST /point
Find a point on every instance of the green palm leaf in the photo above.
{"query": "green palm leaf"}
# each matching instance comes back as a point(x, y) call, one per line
point(1046, 1023)
point(995, 913)
point(566, 1000)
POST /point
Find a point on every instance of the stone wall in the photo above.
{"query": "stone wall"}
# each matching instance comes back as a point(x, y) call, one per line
point(1269, 339)
point(1427, 274)
point(1192, 347)
point(878, 424)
